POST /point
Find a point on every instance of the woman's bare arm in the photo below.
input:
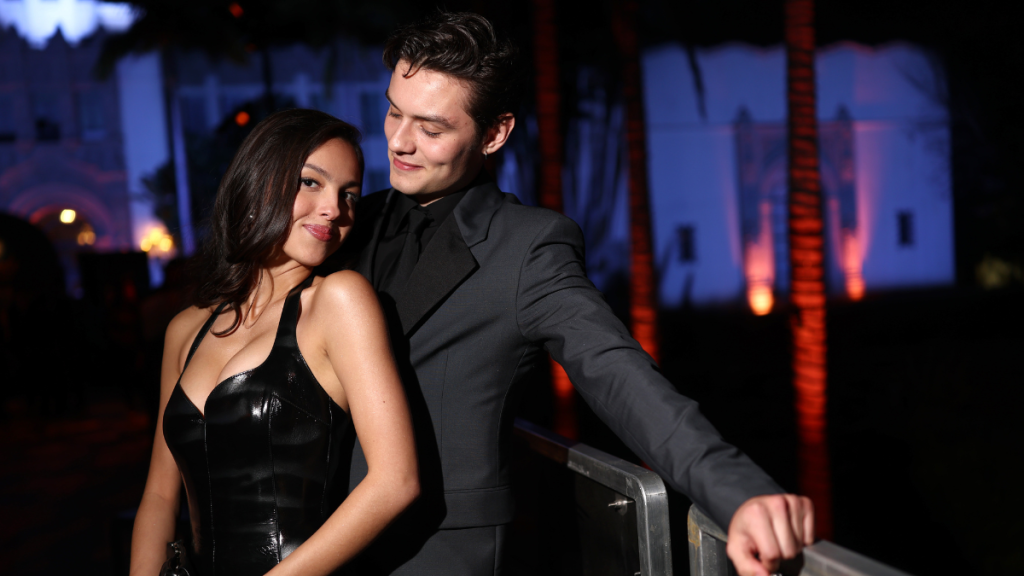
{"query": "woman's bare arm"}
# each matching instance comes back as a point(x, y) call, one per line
point(155, 520)
point(346, 313)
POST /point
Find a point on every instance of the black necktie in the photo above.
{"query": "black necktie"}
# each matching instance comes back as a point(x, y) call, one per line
point(416, 222)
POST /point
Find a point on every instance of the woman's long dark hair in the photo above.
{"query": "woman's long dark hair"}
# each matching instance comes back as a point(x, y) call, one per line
point(253, 211)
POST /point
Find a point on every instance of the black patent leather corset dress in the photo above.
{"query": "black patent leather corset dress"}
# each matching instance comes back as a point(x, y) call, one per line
point(261, 464)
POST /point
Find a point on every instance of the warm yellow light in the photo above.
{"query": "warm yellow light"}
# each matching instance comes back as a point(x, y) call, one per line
point(67, 216)
point(761, 299)
point(157, 240)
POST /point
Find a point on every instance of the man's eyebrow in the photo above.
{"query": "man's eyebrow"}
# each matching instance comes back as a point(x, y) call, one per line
point(446, 123)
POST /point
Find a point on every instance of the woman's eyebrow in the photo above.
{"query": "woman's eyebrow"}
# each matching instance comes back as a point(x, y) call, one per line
point(318, 170)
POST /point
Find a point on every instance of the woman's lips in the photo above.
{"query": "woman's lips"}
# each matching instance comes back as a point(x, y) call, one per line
point(404, 166)
point(321, 232)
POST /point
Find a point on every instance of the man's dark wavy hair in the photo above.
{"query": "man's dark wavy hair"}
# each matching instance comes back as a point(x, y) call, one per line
point(463, 45)
point(252, 213)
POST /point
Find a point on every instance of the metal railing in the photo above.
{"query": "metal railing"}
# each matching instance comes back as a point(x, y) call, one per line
point(613, 492)
point(707, 555)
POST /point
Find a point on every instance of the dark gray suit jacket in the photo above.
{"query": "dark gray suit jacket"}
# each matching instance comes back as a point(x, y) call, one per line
point(497, 285)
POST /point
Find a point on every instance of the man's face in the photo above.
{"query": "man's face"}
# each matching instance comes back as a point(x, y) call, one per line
point(433, 143)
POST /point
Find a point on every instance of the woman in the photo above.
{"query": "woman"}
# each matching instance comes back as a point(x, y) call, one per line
point(253, 414)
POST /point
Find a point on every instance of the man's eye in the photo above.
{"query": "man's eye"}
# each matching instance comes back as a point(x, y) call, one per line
point(431, 134)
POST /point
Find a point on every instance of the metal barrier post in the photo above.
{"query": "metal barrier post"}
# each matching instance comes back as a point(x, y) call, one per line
point(636, 485)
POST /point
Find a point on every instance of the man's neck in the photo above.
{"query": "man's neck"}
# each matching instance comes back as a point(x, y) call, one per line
point(464, 184)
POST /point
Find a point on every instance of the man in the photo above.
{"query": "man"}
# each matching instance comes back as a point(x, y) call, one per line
point(477, 287)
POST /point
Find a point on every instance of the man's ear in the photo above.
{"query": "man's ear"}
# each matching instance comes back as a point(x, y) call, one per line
point(498, 134)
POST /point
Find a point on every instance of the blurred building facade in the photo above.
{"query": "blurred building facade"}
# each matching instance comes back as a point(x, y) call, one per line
point(716, 159)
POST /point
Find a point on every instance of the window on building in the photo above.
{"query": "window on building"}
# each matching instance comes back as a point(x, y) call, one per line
point(7, 130)
point(372, 108)
point(686, 236)
point(905, 224)
point(44, 113)
point(90, 115)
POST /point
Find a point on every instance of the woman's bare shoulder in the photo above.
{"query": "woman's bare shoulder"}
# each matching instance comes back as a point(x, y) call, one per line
point(185, 325)
point(344, 289)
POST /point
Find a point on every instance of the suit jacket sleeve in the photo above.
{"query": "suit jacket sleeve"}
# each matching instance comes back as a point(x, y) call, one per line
point(559, 306)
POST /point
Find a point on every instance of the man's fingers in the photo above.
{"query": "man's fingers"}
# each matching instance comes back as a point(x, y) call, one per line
point(763, 533)
point(741, 551)
point(779, 511)
point(796, 518)
point(766, 529)
point(808, 521)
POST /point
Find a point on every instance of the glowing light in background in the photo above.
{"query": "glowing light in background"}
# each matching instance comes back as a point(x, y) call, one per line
point(759, 264)
point(86, 236)
point(236, 10)
point(852, 265)
point(67, 216)
point(242, 118)
point(38, 20)
point(157, 242)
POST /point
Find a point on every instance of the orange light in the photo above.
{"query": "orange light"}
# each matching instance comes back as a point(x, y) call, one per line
point(236, 10)
point(87, 236)
point(242, 118)
point(67, 216)
point(761, 299)
point(759, 264)
point(852, 265)
point(565, 402)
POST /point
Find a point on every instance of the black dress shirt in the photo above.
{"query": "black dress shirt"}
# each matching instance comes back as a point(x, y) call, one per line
point(396, 226)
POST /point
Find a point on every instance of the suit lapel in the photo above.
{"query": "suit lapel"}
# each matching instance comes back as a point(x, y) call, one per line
point(447, 261)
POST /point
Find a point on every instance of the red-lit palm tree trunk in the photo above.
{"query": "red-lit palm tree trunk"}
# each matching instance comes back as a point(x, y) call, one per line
point(642, 284)
point(549, 189)
point(806, 255)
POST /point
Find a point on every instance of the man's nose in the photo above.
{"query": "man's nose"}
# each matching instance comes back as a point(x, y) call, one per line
point(401, 140)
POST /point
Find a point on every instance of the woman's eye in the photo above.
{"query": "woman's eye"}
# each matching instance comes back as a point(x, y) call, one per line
point(308, 182)
point(353, 196)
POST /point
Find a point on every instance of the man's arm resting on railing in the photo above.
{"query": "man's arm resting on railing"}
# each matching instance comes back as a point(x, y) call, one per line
point(559, 306)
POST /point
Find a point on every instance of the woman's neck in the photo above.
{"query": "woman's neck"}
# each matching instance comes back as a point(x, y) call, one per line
point(274, 285)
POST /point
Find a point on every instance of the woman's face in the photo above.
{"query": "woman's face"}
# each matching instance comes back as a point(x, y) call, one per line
point(325, 203)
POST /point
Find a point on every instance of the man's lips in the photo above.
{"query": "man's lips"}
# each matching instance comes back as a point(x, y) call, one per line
point(404, 165)
point(321, 232)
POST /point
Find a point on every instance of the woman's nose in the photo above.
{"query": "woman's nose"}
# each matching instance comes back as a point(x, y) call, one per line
point(330, 209)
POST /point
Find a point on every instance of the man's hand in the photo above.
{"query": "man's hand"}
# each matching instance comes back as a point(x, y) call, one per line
point(768, 529)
